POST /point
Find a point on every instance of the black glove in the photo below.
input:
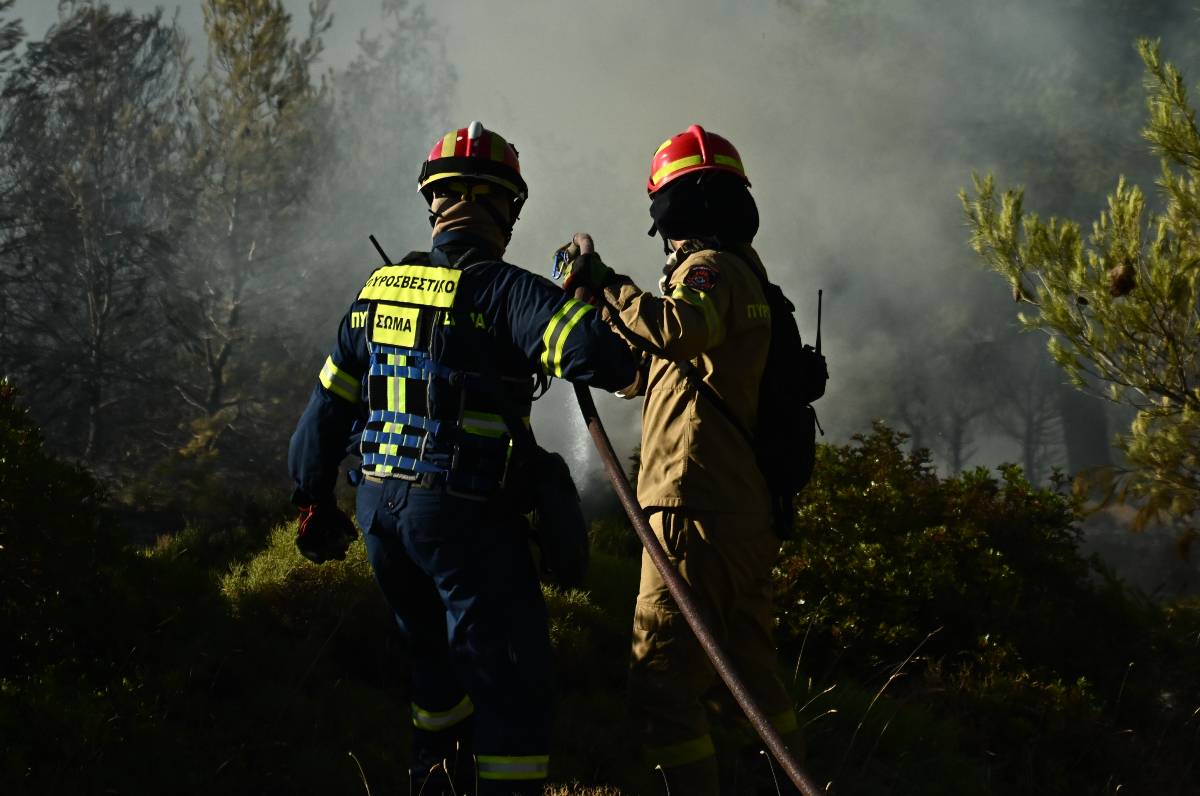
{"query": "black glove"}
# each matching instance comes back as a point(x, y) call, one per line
point(325, 533)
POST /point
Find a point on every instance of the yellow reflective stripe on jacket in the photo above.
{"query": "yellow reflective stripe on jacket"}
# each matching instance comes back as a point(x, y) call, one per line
point(339, 382)
point(676, 165)
point(784, 722)
point(429, 720)
point(702, 302)
point(426, 285)
point(557, 330)
point(494, 767)
point(485, 424)
point(680, 754)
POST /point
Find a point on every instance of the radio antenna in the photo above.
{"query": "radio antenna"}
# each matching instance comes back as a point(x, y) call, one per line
point(819, 292)
point(387, 260)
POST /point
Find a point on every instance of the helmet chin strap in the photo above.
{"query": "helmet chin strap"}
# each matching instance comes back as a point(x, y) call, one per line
point(505, 225)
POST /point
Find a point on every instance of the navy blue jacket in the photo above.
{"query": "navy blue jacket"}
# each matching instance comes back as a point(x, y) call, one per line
point(512, 305)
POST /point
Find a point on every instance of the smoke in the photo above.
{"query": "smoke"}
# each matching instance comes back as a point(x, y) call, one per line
point(858, 121)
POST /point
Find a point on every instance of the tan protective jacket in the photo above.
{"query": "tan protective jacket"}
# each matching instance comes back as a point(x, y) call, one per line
point(714, 314)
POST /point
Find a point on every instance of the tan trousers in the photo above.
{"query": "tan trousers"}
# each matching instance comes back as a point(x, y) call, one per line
point(726, 559)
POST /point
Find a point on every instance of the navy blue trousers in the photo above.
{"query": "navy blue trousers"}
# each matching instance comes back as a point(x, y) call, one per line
point(466, 595)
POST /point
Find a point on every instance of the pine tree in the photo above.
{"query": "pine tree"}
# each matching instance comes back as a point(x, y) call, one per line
point(11, 34)
point(1121, 305)
point(258, 144)
point(91, 207)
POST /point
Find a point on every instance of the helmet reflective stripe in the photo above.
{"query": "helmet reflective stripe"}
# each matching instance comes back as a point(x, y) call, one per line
point(512, 186)
point(680, 754)
point(557, 330)
point(429, 720)
point(725, 160)
point(674, 166)
point(494, 767)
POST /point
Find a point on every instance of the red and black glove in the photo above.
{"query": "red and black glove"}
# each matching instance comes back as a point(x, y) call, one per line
point(579, 266)
point(325, 533)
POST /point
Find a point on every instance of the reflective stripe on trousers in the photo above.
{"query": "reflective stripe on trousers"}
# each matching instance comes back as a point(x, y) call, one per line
point(496, 767)
point(679, 754)
point(428, 720)
point(745, 733)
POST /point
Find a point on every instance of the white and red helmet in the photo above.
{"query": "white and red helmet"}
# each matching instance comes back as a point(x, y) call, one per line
point(474, 153)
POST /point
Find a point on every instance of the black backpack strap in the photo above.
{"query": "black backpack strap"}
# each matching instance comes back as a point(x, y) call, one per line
point(519, 473)
point(762, 278)
point(689, 373)
point(521, 435)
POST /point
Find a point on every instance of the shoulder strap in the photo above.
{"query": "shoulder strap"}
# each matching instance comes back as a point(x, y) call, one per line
point(710, 394)
point(521, 435)
point(762, 278)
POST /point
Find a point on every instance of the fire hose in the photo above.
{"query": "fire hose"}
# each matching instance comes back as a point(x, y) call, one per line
point(683, 595)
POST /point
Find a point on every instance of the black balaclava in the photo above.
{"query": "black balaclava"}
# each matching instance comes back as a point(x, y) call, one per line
point(711, 206)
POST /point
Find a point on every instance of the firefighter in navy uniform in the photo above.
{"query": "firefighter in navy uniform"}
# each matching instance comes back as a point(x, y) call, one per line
point(412, 384)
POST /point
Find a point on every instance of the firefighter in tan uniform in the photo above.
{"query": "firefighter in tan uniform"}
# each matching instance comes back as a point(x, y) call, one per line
point(699, 483)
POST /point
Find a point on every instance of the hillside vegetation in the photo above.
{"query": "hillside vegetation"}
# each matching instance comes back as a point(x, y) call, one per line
point(941, 636)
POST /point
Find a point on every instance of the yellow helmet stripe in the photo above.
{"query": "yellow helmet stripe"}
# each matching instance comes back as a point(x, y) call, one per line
point(448, 144)
point(676, 165)
point(666, 144)
point(725, 160)
point(451, 174)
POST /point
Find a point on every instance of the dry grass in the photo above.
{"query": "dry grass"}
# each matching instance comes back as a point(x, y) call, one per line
point(575, 789)
point(280, 570)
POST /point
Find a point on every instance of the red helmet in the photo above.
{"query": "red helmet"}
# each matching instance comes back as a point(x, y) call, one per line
point(474, 153)
point(694, 150)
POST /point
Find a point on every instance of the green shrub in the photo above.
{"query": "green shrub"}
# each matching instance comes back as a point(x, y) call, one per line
point(1028, 647)
point(131, 672)
point(222, 661)
point(613, 534)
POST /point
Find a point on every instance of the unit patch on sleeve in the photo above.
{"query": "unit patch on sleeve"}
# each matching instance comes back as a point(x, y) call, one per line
point(701, 277)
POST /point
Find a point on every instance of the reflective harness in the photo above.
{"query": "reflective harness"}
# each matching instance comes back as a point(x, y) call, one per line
point(407, 302)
